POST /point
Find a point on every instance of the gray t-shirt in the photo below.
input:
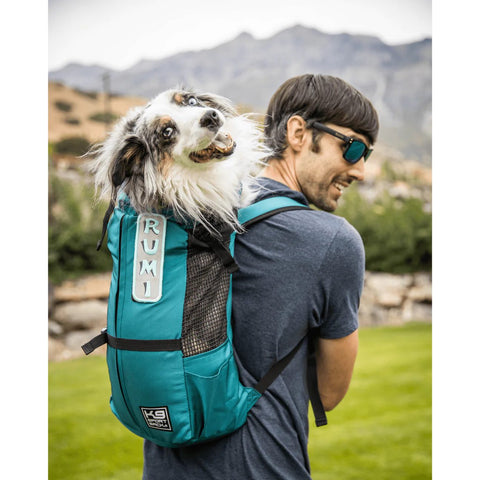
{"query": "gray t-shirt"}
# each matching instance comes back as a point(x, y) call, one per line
point(299, 271)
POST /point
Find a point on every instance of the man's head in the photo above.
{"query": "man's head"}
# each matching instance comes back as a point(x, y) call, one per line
point(306, 123)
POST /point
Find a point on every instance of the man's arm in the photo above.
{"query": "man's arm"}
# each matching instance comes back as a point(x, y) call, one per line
point(335, 361)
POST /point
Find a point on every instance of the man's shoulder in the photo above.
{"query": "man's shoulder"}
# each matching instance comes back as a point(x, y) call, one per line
point(312, 224)
point(307, 226)
point(268, 188)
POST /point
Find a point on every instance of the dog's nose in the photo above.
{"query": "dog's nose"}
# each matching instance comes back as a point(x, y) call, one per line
point(211, 120)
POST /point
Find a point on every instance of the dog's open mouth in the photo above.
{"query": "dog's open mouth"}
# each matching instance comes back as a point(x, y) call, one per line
point(222, 146)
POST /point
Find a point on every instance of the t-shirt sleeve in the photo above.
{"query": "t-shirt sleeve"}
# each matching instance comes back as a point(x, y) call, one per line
point(340, 285)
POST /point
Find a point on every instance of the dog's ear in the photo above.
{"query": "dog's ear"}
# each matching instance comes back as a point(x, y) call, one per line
point(220, 103)
point(129, 160)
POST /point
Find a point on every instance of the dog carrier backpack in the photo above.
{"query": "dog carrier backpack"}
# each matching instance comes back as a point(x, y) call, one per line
point(173, 374)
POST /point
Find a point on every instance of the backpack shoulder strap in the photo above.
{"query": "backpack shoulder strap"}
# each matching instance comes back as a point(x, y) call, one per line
point(247, 216)
point(277, 368)
point(266, 208)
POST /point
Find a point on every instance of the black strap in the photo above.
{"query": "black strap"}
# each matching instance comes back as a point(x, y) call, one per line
point(145, 345)
point(221, 250)
point(312, 383)
point(95, 342)
point(132, 344)
point(224, 254)
point(276, 370)
point(106, 218)
point(273, 212)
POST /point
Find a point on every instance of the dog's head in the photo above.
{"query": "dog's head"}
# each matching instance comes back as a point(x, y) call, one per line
point(188, 152)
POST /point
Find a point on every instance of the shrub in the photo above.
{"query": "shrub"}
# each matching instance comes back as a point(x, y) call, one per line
point(92, 95)
point(104, 117)
point(63, 106)
point(72, 146)
point(74, 228)
point(397, 234)
point(72, 121)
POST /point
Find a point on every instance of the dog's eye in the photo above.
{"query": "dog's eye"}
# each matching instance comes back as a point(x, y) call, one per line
point(167, 132)
point(192, 101)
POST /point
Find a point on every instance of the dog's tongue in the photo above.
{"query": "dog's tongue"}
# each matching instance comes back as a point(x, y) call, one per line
point(221, 146)
point(224, 143)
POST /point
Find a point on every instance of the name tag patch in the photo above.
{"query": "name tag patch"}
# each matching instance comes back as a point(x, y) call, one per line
point(149, 255)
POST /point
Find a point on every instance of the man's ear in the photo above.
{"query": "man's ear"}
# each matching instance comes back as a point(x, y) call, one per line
point(296, 132)
point(129, 160)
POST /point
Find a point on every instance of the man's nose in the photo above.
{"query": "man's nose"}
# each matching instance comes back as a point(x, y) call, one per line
point(358, 170)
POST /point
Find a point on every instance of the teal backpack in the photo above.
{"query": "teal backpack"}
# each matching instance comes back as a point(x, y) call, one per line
point(170, 351)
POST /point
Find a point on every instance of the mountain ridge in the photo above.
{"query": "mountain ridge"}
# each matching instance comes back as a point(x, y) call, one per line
point(396, 78)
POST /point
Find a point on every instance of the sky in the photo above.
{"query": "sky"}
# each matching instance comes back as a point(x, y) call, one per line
point(118, 33)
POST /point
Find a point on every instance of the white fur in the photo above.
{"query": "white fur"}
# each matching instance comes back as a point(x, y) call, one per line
point(192, 190)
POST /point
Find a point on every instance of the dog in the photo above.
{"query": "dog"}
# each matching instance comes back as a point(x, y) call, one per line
point(188, 152)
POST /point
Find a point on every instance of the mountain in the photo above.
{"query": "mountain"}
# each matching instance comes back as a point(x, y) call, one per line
point(396, 78)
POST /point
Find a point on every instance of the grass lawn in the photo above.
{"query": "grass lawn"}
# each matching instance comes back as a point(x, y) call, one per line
point(381, 430)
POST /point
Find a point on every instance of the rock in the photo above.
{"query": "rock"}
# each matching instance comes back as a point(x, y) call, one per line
point(81, 315)
point(390, 299)
point(417, 312)
point(51, 297)
point(75, 340)
point(371, 315)
point(395, 299)
point(422, 279)
point(381, 282)
point(393, 316)
point(91, 287)
point(57, 350)
point(387, 290)
point(80, 311)
point(422, 294)
point(54, 328)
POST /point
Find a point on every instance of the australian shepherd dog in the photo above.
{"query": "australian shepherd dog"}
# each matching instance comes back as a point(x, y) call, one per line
point(188, 152)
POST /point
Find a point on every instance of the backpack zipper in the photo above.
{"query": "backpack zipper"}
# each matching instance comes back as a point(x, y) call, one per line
point(116, 316)
point(117, 294)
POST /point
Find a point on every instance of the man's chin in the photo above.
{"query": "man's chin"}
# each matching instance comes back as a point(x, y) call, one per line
point(326, 205)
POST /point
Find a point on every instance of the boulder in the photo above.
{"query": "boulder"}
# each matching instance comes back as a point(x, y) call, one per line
point(54, 329)
point(81, 315)
point(418, 312)
point(90, 287)
point(421, 294)
point(390, 299)
point(74, 341)
point(381, 282)
point(387, 290)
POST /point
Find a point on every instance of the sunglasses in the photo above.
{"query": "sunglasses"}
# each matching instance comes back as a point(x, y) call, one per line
point(354, 149)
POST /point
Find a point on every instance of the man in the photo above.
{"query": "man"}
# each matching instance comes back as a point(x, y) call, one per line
point(301, 272)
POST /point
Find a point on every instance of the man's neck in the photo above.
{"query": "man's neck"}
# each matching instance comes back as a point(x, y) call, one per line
point(283, 171)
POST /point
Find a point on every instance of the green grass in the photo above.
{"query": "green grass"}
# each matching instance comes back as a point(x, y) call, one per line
point(381, 430)
point(85, 439)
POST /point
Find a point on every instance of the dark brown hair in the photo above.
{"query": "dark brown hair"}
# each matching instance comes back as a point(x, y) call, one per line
point(322, 98)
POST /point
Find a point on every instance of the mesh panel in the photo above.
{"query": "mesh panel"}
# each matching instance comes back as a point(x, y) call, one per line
point(204, 315)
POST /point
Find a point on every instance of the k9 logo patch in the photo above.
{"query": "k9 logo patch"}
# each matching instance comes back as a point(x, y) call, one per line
point(157, 418)
point(148, 260)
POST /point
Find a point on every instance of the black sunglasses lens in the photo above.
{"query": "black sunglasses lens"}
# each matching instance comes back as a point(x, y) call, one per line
point(354, 151)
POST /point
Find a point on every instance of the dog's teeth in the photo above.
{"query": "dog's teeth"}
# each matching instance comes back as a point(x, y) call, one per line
point(223, 140)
